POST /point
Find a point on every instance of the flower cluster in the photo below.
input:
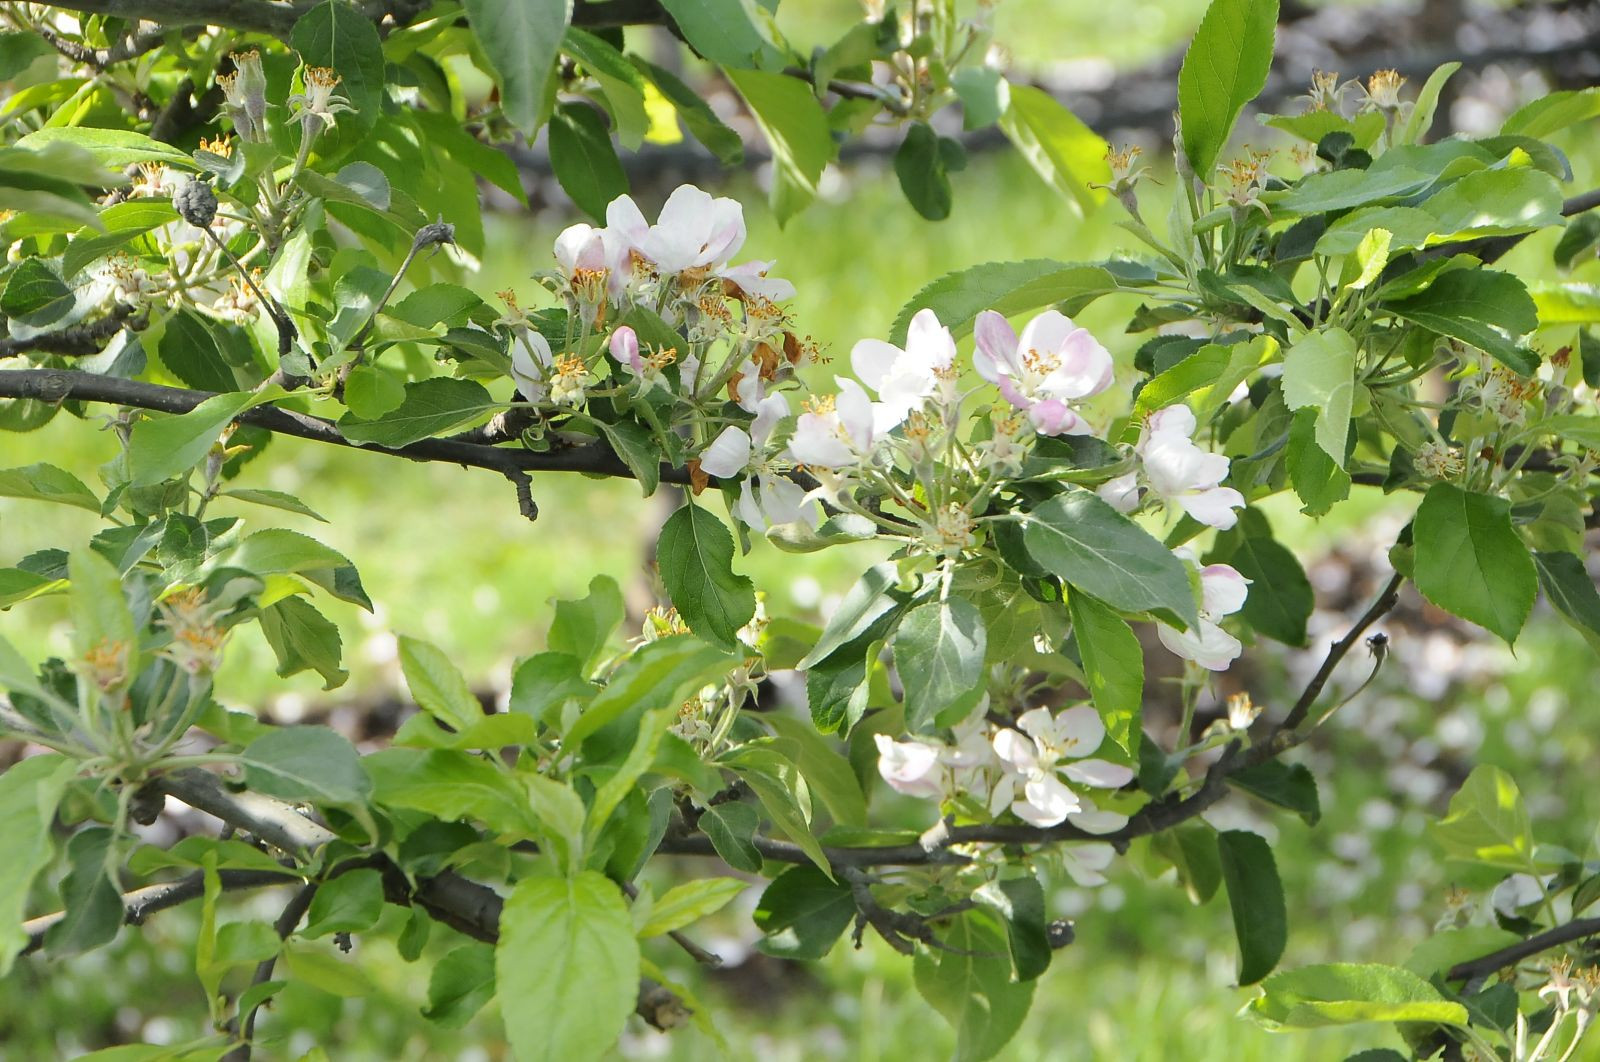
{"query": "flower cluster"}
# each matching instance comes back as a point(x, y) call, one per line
point(1177, 471)
point(1040, 771)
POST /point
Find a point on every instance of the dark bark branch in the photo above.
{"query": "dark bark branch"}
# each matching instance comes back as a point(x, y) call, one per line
point(1386, 600)
point(139, 904)
point(58, 385)
point(78, 341)
point(287, 922)
point(1515, 953)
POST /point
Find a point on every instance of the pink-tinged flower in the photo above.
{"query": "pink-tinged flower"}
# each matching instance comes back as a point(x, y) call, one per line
point(1222, 593)
point(836, 431)
point(531, 363)
point(910, 767)
point(1182, 473)
point(766, 498)
point(905, 379)
point(1044, 747)
point(646, 369)
point(1053, 364)
point(581, 247)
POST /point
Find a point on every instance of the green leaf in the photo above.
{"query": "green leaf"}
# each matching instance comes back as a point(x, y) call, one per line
point(795, 127)
point(1279, 783)
point(451, 784)
point(318, 968)
point(303, 638)
point(581, 628)
point(1552, 113)
point(372, 392)
point(658, 675)
point(1224, 69)
point(1345, 993)
point(45, 482)
point(638, 449)
point(1436, 954)
point(114, 148)
point(609, 794)
point(695, 554)
point(984, 93)
point(697, 116)
point(438, 686)
point(585, 163)
point(1281, 599)
point(783, 793)
point(938, 651)
point(1420, 120)
point(732, 828)
point(621, 86)
point(1255, 895)
point(278, 551)
point(99, 608)
point(1317, 478)
point(1319, 373)
point(1470, 560)
point(1067, 154)
point(969, 983)
point(802, 913)
point(461, 984)
point(920, 166)
point(93, 905)
point(542, 685)
point(165, 444)
point(521, 39)
point(338, 35)
point(1480, 307)
point(273, 499)
point(20, 50)
point(1487, 823)
point(1570, 590)
point(29, 792)
point(568, 957)
point(431, 407)
point(119, 224)
point(1020, 901)
point(350, 903)
point(32, 288)
point(825, 769)
point(727, 32)
point(1084, 542)
point(306, 763)
point(1113, 663)
point(1006, 287)
point(190, 350)
point(689, 902)
point(868, 598)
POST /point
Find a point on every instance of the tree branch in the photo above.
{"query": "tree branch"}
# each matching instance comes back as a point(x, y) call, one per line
point(139, 904)
point(59, 385)
point(1515, 953)
point(79, 341)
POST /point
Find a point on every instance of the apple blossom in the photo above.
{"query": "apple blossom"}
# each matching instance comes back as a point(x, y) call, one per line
point(910, 767)
point(1053, 364)
point(644, 368)
point(838, 431)
point(1084, 862)
point(765, 498)
point(1222, 592)
point(694, 231)
point(530, 364)
point(1040, 747)
point(1177, 471)
point(905, 378)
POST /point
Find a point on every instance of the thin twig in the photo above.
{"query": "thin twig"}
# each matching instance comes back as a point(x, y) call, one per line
point(287, 922)
point(1515, 953)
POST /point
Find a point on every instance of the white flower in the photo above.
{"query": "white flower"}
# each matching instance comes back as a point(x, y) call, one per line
point(530, 365)
point(581, 247)
point(910, 767)
point(1121, 493)
point(693, 232)
point(836, 431)
point(751, 279)
point(1084, 862)
point(766, 498)
point(1044, 747)
point(1222, 593)
point(1182, 473)
point(1053, 364)
point(904, 379)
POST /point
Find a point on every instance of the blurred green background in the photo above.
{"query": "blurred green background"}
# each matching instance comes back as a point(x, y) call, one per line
point(446, 557)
